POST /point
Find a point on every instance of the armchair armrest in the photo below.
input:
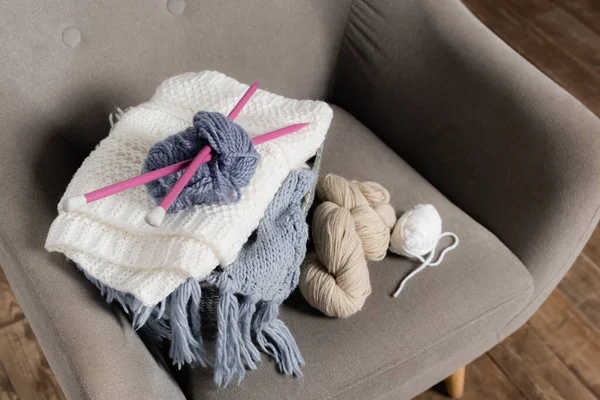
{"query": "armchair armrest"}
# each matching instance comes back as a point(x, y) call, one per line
point(90, 347)
point(489, 130)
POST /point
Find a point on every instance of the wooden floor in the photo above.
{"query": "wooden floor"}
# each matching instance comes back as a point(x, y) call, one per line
point(556, 355)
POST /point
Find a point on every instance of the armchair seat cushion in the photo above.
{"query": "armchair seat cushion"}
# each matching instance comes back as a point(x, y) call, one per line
point(443, 313)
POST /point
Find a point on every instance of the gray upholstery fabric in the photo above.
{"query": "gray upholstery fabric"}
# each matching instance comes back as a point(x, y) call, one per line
point(444, 312)
point(497, 137)
point(512, 155)
point(127, 49)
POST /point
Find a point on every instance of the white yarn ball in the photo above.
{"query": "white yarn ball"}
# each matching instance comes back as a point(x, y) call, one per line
point(417, 231)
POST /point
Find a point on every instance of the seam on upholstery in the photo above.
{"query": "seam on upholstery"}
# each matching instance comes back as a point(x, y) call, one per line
point(11, 250)
point(560, 270)
point(336, 64)
point(457, 330)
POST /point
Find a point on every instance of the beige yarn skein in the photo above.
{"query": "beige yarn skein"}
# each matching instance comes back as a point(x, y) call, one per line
point(352, 225)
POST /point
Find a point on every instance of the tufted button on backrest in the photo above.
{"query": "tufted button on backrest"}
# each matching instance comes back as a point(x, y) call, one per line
point(71, 37)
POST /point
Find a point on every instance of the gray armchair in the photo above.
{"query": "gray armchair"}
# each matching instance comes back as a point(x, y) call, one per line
point(427, 101)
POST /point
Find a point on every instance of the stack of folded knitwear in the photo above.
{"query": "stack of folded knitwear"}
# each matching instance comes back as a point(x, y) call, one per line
point(246, 248)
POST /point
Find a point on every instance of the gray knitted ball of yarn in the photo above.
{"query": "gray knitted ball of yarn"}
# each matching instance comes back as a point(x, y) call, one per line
point(220, 180)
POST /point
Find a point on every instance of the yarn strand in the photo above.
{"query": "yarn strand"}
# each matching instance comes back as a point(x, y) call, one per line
point(427, 262)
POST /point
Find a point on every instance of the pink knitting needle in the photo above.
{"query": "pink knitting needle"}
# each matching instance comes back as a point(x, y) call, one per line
point(75, 202)
point(156, 216)
point(245, 98)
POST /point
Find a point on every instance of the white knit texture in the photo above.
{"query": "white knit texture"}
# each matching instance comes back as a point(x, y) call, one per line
point(110, 239)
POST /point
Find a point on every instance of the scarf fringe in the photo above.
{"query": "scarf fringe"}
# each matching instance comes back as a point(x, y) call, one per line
point(250, 352)
point(228, 361)
point(186, 339)
point(138, 312)
point(235, 350)
point(276, 340)
point(244, 328)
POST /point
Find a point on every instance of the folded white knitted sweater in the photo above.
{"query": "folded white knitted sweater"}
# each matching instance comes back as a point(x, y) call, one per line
point(109, 238)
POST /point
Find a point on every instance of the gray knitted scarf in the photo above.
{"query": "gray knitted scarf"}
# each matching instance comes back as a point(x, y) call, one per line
point(250, 293)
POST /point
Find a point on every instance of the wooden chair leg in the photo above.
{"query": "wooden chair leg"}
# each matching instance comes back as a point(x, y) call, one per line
point(455, 383)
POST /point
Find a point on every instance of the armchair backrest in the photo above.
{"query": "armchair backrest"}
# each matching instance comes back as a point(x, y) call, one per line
point(55, 51)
